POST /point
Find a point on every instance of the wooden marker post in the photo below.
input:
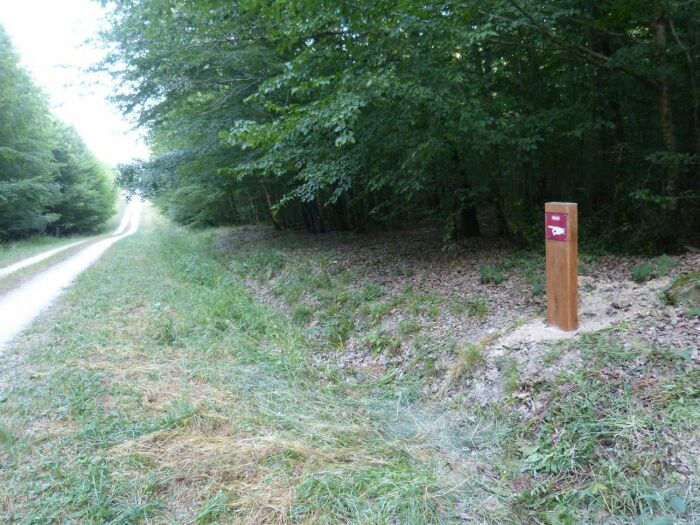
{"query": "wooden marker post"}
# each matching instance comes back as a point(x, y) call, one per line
point(561, 234)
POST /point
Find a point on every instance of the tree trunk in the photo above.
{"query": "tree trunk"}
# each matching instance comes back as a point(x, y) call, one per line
point(463, 209)
point(320, 211)
point(253, 208)
point(690, 62)
point(270, 207)
point(468, 222)
point(666, 123)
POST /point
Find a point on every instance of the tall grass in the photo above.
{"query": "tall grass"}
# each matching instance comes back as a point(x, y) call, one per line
point(160, 390)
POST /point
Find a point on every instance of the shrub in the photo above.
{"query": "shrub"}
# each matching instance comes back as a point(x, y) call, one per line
point(302, 315)
point(473, 306)
point(664, 263)
point(381, 342)
point(538, 287)
point(492, 274)
point(661, 267)
point(642, 272)
point(693, 312)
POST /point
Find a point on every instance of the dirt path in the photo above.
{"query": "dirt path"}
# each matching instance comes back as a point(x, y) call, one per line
point(35, 259)
point(21, 305)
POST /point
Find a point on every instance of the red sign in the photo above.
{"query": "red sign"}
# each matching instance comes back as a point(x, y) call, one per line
point(556, 226)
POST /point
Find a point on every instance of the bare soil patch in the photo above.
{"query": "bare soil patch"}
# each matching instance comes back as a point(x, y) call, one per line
point(513, 323)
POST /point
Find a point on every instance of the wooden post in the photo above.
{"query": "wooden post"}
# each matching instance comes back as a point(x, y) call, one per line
point(561, 234)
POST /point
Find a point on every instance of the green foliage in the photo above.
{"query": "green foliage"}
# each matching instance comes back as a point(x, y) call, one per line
point(334, 115)
point(511, 374)
point(214, 508)
point(684, 289)
point(340, 495)
point(370, 292)
point(470, 357)
point(380, 342)
point(664, 263)
point(538, 287)
point(239, 422)
point(235, 424)
point(49, 181)
point(587, 418)
point(302, 314)
point(7, 438)
point(492, 274)
point(531, 263)
point(409, 327)
point(260, 262)
point(642, 272)
point(659, 267)
point(87, 193)
point(474, 306)
point(420, 303)
point(603, 431)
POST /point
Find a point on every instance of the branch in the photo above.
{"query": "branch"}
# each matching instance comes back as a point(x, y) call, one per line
point(593, 57)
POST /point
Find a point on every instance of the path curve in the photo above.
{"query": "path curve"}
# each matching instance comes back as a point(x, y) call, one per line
point(34, 259)
point(21, 305)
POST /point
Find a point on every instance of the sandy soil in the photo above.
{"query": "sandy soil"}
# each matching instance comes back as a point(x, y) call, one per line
point(21, 305)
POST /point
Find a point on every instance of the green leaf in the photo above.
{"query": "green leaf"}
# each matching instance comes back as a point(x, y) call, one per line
point(677, 505)
point(662, 520)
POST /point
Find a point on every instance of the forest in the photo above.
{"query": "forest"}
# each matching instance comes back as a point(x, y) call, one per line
point(327, 300)
point(469, 115)
point(50, 183)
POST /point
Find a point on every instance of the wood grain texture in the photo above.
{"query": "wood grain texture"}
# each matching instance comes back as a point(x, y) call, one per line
point(562, 271)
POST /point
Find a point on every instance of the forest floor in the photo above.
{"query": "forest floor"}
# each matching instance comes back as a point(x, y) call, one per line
point(377, 298)
point(254, 376)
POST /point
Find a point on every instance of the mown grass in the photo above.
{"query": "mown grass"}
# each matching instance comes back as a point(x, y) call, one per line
point(606, 442)
point(161, 391)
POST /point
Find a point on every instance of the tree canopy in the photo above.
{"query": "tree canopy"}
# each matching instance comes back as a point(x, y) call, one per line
point(49, 181)
point(342, 114)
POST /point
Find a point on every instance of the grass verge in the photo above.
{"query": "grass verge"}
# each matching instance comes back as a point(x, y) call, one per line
point(161, 391)
point(13, 252)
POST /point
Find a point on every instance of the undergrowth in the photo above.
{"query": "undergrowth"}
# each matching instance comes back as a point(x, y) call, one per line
point(161, 391)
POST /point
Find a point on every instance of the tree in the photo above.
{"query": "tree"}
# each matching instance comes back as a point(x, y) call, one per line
point(339, 114)
point(49, 182)
point(86, 190)
point(26, 164)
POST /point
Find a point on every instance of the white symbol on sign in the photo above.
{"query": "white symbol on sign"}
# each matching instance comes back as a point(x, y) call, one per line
point(557, 230)
point(555, 217)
